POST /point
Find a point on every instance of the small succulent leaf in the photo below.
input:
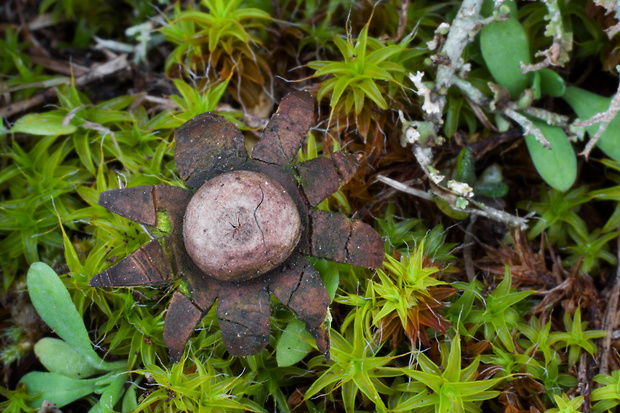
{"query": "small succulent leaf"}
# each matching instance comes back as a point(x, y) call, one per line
point(504, 46)
point(586, 105)
point(491, 189)
point(59, 357)
point(111, 395)
point(557, 165)
point(444, 207)
point(294, 344)
point(47, 123)
point(551, 83)
point(465, 171)
point(329, 275)
point(53, 303)
point(56, 388)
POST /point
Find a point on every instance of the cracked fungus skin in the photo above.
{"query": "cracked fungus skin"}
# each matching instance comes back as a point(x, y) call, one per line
point(242, 229)
point(239, 225)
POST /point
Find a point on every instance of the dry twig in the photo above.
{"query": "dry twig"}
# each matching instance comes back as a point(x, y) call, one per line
point(97, 72)
point(610, 319)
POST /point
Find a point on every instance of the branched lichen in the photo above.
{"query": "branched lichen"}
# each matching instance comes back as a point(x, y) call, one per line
point(612, 6)
point(558, 53)
point(604, 118)
point(528, 126)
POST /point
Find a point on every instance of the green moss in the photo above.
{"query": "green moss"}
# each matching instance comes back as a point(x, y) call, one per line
point(163, 221)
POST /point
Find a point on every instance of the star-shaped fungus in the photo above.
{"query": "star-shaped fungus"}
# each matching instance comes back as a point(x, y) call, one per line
point(242, 228)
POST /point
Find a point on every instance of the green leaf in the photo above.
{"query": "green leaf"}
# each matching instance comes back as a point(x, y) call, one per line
point(53, 303)
point(111, 395)
point(465, 166)
point(551, 83)
point(536, 85)
point(57, 388)
point(294, 344)
point(329, 275)
point(586, 105)
point(491, 189)
point(48, 123)
point(130, 400)
point(444, 207)
point(504, 45)
point(59, 357)
point(558, 165)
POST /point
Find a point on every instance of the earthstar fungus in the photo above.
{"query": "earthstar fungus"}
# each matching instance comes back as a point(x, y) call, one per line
point(242, 228)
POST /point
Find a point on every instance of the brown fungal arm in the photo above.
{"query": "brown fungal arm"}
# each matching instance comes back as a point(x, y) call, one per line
point(207, 145)
point(286, 129)
point(321, 177)
point(203, 289)
point(181, 320)
point(159, 206)
point(153, 263)
point(243, 311)
point(299, 287)
point(336, 238)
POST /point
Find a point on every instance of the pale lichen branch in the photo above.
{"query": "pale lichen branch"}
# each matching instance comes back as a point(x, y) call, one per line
point(604, 118)
point(480, 210)
point(528, 126)
point(558, 53)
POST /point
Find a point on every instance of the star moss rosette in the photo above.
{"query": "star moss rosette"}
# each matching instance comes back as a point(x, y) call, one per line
point(241, 229)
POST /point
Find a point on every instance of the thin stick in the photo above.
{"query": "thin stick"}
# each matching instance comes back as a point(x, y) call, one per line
point(610, 319)
point(97, 72)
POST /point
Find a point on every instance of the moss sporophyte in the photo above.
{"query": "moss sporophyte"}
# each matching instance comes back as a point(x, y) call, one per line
point(244, 232)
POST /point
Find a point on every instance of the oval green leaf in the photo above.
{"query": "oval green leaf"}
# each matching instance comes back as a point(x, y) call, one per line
point(294, 344)
point(465, 167)
point(504, 45)
point(551, 83)
point(328, 270)
point(558, 165)
point(586, 105)
point(48, 123)
point(53, 303)
point(59, 357)
point(445, 207)
point(491, 189)
point(56, 388)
